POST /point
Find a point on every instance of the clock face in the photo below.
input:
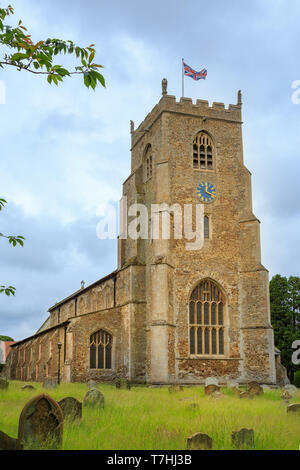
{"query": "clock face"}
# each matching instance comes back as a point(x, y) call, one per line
point(206, 192)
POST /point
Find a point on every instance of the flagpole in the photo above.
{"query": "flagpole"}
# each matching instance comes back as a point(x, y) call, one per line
point(182, 79)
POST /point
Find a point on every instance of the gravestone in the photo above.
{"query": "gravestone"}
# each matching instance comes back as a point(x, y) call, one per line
point(3, 383)
point(94, 398)
point(211, 381)
point(49, 383)
point(71, 408)
point(255, 388)
point(9, 443)
point(210, 389)
point(41, 423)
point(294, 408)
point(199, 441)
point(123, 384)
point(243, 438)
point(291, 390)
point(28, 387)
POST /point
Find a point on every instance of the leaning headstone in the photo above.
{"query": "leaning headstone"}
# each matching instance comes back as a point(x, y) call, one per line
point(211, 381)
point(41, 423)
point(71, 408)
point(210, 389)
point(199, 441)
point(49, 383)
point(3, 383)
point(9, 443)
point(28, 387)
point(255, 388)
point(294, 408)
point(243, 438)
point(93, 398)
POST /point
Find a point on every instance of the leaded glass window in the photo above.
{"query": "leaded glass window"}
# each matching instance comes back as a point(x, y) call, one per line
point(206, 319)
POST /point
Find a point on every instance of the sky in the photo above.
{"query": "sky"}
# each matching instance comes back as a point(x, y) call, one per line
point(65, 151)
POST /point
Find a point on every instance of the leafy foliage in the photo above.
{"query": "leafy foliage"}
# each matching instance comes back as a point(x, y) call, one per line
point(14, 241)
point(285, 316)
point(38, 58)
point(6, 338)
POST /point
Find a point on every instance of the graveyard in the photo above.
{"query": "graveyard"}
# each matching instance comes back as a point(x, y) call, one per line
point(156, 418)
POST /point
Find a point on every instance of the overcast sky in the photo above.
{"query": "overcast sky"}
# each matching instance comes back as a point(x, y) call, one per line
point(65, 151)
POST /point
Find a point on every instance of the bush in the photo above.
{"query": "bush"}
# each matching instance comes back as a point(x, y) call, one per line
point(297, 378)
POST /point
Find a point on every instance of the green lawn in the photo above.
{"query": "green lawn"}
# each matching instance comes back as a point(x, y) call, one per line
point(154, 419)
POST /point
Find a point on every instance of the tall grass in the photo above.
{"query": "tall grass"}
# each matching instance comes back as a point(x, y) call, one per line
point(154, 419)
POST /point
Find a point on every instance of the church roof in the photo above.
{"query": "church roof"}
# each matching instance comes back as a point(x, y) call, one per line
point(81, 291)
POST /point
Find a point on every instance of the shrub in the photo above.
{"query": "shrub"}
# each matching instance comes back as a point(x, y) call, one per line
point(297, 378)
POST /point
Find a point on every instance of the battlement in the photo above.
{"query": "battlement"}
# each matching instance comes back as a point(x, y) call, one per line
point(185, 106)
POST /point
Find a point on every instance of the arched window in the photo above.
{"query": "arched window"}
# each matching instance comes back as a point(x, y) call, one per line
point(203, 152)
point(100, 350)
point(206, 320)
point(148, 162)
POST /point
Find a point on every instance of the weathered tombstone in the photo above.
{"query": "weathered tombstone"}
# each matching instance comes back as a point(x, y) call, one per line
point(210, 389)
point(123, 383)
point(41, 423)
point(294, 408)
point(49, 383)
point(3, 383)
point(291, 390)
point(71, 408)
point(199, 441)
point(9, 443)
point(255, 388)
point(28, 387)
point(94, 398)
point(211, 381)
point(243, 438)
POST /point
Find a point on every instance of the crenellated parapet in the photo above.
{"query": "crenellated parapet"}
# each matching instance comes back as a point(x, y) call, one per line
point(186, 106)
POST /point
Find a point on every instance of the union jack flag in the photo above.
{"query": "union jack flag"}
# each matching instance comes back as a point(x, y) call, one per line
point(193, 74)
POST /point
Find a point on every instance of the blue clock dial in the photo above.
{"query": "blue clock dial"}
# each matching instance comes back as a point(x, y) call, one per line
point(206, 192)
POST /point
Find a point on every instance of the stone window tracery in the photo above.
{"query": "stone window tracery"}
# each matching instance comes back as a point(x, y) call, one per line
point(101, 350)
point(206, 320)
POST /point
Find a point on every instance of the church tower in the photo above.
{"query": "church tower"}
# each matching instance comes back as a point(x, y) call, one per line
point(206, 310)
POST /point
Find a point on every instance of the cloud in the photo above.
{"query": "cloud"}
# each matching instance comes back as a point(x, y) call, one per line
point(66, 150)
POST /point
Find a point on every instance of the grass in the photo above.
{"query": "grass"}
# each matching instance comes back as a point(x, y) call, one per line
point(154, 419)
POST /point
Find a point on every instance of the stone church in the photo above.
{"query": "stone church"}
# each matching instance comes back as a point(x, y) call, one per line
point(168, 314)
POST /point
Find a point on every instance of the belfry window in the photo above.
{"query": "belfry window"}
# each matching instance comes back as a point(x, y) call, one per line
point(203, 152)
point(206, 320)
point(101, 350)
